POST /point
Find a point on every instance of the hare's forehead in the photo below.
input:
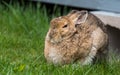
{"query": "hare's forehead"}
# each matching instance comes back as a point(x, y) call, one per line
point(60, 22)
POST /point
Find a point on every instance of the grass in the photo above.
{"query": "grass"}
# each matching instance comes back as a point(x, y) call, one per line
point(22, 34)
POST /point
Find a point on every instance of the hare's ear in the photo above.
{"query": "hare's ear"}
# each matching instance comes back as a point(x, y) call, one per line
point(81, 17)
point(72, 13)
point(78, 17)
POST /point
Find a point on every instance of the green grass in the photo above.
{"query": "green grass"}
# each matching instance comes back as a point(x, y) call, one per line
point(22, 34)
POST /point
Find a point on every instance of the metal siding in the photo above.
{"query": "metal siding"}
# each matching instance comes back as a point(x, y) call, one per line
point(108, 5)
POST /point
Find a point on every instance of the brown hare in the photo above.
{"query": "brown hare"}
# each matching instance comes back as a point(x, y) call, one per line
point(77, 37)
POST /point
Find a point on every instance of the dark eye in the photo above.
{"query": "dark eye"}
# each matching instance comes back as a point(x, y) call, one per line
point(65, 26)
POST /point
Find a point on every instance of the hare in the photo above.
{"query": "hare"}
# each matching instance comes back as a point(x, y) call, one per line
point(77, 37)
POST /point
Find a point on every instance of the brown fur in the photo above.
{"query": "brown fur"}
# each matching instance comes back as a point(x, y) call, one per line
point(76, 41)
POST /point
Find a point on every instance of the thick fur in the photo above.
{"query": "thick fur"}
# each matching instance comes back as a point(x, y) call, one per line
point(75, 42)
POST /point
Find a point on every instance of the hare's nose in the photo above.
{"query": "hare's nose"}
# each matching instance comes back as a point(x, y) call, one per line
point(51, 34)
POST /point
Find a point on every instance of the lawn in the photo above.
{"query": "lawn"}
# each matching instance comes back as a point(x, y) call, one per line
point(22, 35)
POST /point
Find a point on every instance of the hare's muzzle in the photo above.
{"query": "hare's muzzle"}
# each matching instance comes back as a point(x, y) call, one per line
point(52, 34)
point(54, 38)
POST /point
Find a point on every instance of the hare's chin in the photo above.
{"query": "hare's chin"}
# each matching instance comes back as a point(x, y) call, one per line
point(55, 41)
point(52, 41)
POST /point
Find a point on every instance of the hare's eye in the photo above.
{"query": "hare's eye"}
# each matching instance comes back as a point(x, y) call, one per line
point(65, 26)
